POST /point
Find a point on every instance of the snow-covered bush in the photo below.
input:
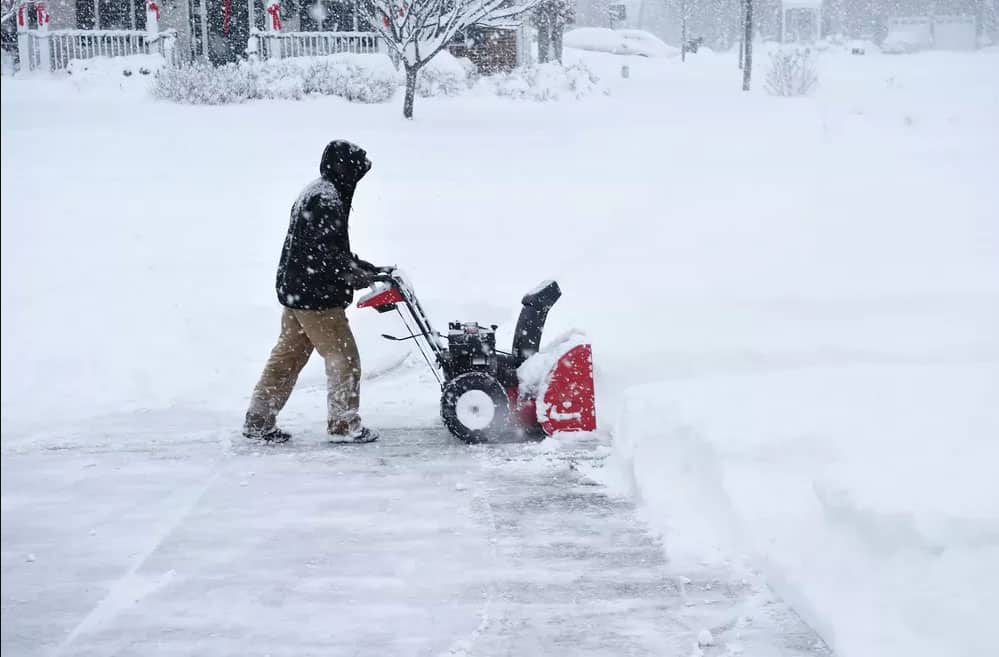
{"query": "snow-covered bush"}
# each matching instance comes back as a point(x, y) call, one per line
point(202, 84)
point(276, 79)
point(357, 78)
point(545, 82)
point(364, 79)
point(444, 75)
point(791, 73)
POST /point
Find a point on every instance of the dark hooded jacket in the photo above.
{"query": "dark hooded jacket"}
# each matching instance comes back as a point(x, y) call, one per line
point(318, 271)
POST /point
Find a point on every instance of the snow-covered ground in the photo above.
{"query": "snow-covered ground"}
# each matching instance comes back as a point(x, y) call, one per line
point(794, 307)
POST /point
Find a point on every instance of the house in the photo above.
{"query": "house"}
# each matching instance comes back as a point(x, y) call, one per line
point(223, 31)
point(718, 21)
point(217, 30)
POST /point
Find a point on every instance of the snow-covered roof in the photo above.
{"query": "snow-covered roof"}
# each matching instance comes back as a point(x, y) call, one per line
point(801, 4)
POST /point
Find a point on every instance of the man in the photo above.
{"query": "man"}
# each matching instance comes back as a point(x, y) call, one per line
point(316, 279)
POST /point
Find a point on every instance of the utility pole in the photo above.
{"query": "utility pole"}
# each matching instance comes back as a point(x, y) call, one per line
point(747, 67)
point(683, 30)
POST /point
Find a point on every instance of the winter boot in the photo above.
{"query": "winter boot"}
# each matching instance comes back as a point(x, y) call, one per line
point(272, 435)
point(362, 435)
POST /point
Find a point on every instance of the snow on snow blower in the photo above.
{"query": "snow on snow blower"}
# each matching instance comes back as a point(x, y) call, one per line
point(486, 392)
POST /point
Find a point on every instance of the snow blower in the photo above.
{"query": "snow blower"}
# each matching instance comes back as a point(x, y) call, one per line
point(482, 394)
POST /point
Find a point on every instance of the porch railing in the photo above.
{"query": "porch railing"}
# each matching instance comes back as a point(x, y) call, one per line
point(277, 45)
point(61, 46)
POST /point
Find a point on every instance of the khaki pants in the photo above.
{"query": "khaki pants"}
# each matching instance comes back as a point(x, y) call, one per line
point(302, 330)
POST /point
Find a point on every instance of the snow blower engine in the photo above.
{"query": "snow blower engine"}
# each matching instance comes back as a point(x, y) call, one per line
point(482, 396)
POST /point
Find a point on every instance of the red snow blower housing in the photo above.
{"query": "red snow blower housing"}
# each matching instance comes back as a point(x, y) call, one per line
point(482, 396)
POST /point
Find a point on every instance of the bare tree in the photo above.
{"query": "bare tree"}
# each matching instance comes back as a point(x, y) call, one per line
point(416, 30)
point(792, 72)
point(747, 60)
point(10, 8)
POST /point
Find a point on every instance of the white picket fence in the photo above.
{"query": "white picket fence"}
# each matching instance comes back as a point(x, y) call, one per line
point(52, 50)
point(58, 47)
point(280, 45)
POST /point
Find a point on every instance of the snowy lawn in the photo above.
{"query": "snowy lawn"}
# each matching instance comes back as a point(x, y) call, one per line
point(794, 307)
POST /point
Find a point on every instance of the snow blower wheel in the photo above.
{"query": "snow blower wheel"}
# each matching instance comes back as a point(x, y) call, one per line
point(475, 407)
point(482, 395)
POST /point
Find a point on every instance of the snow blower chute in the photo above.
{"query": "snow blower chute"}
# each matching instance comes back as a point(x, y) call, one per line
point(482, 395)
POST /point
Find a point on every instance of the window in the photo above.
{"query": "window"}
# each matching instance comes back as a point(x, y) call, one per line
point(111, 14)
point(328, 16)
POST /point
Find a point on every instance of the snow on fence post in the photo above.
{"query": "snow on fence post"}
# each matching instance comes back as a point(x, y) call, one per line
point(23, 39)
point(153, 34)
point(252, 50)
point(152, 19)
point(274, 27)
point(44, 42)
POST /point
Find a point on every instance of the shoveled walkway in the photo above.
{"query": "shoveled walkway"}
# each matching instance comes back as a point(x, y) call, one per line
point(179, 540)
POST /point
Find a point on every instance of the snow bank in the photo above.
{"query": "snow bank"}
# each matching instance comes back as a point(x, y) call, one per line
point(100, 68)
point(854, 489)
point(95, 76)
point(618, 42)
point(357, 78)
point(544, 82)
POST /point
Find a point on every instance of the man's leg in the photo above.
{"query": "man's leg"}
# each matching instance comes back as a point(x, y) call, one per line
point(330, 332)
point(287, 359)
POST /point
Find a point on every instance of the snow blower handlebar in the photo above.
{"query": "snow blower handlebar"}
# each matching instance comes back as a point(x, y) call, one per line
point(391, 289)
point(396, 289)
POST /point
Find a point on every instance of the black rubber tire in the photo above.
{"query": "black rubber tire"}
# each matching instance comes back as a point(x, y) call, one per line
point(456, 393)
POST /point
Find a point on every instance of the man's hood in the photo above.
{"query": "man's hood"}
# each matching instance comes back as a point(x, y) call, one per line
point(344, 164)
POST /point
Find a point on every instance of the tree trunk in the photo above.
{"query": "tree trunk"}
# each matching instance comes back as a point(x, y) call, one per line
point(544, 42)
point(747, 68)
point(742, 33)
point(557, 33)
point(407, 106)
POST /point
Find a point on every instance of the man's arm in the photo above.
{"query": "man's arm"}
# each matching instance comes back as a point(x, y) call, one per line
point(331, 223)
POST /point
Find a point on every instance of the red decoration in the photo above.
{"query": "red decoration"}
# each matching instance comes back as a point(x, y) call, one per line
point(275, 11)
point(226, 15)
point(20, 17)
point(42, 14)
point(155, 8)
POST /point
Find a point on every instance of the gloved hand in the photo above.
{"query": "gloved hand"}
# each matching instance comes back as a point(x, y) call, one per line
point(362, 274)
point(365, 265)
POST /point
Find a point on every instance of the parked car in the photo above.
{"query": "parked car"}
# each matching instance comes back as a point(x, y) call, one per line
point(907, 38)
point(619, 42)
